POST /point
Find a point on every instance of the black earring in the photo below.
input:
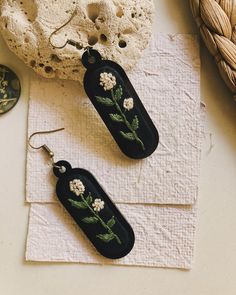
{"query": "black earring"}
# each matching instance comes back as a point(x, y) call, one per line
point(91, 208)
point(119, 106)
point(116, 101)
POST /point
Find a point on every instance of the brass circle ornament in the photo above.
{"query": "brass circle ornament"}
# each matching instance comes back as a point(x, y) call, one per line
point(10, 89)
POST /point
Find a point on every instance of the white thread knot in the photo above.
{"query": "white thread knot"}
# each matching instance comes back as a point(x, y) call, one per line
point(98, 205)
point(107, 81)
point(77, 187)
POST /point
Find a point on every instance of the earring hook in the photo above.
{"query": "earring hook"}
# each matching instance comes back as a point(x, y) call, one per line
point(69, 41)
point(44, 146)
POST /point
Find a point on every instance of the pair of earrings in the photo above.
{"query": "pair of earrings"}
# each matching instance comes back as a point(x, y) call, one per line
point(122, 111)
point(119, 106)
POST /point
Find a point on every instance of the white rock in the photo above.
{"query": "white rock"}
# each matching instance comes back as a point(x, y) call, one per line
point(118, 29)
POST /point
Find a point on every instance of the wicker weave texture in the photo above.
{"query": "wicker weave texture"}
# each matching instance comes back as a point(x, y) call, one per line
point(216, 20)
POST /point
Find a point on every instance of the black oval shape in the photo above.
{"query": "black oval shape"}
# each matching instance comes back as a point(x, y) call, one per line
point(119, 106)
point(93, 211)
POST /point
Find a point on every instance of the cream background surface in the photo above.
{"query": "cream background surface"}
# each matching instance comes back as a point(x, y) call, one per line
point(214, 269)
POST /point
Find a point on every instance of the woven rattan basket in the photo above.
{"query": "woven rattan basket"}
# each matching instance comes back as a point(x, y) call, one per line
point(216, 20)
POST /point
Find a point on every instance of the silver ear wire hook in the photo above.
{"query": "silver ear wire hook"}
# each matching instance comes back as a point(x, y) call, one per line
point(44, 146)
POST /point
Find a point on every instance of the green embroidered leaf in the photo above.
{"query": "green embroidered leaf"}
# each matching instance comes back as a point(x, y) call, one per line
point(135, 123)
point(106, 237)
point(128, 135)
point(90, 220)
point(105, 101)
point(118, 93)
point(89, 199)
point(116, 118)
point(111, 222)
point(78, 205)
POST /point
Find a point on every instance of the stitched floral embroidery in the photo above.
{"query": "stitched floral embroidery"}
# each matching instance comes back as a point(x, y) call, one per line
point(128, 104)
point(94, 206)
point(98, 205)
point(77, 187)
point(8, 89)
point(109, 83)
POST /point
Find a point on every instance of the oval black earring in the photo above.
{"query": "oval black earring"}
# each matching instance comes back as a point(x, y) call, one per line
point(10, 89)
point(119, 106)
point(90, 207)
point(116, 101)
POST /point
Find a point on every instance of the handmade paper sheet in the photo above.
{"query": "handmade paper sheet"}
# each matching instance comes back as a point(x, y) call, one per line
point(164, 236)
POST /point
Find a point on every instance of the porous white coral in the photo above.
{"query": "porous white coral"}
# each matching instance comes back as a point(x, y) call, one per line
point(118, 29)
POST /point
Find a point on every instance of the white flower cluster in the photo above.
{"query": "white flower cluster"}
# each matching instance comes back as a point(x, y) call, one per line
point(128, 103)
point(98, 205)
point(77, 187)
point(3, 86)
point(107, 81)
point(4, 83)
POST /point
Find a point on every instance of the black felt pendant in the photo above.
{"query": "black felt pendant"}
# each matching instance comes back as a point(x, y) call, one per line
point(119, 106)
point(93, 211)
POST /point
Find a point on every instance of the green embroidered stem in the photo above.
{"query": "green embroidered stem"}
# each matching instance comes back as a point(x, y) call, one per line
point(101, 221)
point(127, 123)
point(85, 205)
point(108, 82)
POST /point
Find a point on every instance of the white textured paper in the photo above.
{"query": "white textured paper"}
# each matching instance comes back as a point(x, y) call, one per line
point(167, 81)
point(164, 236)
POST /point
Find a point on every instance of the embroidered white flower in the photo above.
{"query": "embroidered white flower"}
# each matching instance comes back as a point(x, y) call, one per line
point(98, 205)
point(107, 81)
point(128, 103)
point(4, 83)
point(77, 187)
point(2, 90)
